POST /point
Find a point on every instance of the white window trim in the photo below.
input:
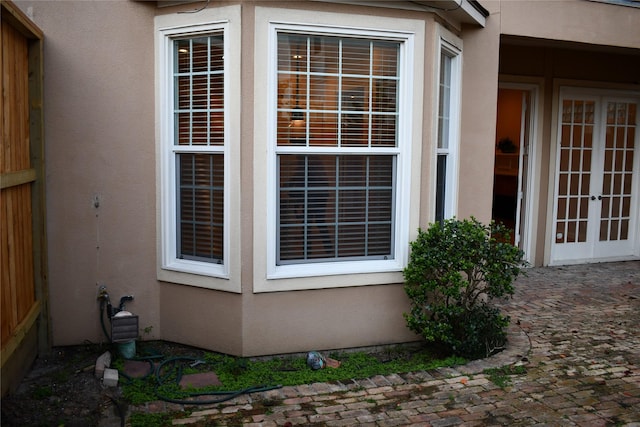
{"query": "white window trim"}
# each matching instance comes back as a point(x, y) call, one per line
point(223, 276)
point(451, 46)
point(269, 276)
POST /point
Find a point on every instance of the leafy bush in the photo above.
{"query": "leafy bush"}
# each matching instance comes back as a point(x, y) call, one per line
point(456, 268)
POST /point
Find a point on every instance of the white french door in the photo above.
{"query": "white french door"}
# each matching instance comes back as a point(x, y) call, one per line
point(596, 178)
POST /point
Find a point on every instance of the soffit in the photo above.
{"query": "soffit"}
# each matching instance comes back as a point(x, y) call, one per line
point(566, 45)
point(456, 11)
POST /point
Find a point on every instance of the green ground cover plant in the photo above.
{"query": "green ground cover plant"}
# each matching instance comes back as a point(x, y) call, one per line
point(143, 419)
point(502, 376)
point(238, 374)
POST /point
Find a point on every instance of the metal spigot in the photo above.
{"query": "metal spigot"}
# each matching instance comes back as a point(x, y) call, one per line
point(103, 295)
point(123, 300)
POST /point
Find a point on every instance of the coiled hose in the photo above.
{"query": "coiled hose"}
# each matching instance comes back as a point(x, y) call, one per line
point(161, 380)
point(174, 367)
point(223, 395)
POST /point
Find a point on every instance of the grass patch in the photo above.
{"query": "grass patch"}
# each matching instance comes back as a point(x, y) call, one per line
point(502, 376)
point(241, 373)
point(143, 419)
point(238, 373)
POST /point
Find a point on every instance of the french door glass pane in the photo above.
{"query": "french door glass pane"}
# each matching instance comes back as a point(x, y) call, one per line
point(618, 171)
point(335, 207)
point(576, 150)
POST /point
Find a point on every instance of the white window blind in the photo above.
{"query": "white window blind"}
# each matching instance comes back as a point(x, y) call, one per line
point(337, 148)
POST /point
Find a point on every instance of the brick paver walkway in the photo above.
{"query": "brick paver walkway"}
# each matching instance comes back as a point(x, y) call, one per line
point(573, 358)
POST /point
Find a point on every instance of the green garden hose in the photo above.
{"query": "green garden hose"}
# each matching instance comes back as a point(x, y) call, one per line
point(174, 375)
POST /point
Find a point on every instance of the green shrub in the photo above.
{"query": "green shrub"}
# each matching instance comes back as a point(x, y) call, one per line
point(456, 268)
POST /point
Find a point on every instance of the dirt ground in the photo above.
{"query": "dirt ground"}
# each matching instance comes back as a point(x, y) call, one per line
point(61, 389)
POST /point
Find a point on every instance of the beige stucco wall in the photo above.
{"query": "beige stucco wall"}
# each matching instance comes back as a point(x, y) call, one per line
point(98, 103)
point(100, 134)
point(478, 117)
point(202, 317)
point(324, 319)
point(571, 20)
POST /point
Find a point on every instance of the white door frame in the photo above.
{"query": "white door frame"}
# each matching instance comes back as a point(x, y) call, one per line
point(601, 94)
point(532, 184)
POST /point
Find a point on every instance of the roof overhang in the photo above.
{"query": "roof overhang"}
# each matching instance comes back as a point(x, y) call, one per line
point(459, 11)
point(464, 11)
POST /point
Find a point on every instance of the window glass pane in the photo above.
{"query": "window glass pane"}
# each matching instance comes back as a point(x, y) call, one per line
point(336, 91)
point(199, 55)
point(335, 207)
point(200, 206)
point(385, 96)
point(445, 101)
point(384, 117)
point(216, 128)
point(356, 57)
point(441, 174)
point(323, 129)
point(385, 61)
point(355, 94)
point(198, 90)
point(322, 94)
point(325, 54)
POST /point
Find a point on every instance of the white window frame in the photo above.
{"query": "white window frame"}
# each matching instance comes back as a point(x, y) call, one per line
point(451, 47)
point(342, 273)
point(170, 267)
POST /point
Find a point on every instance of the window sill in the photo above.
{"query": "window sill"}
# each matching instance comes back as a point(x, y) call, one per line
point(328, 280)
point(178, 273)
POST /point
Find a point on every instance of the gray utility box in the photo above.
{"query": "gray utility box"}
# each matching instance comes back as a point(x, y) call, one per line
point(124, 328)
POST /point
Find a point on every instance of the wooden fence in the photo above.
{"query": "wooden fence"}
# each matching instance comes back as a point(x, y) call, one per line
point(22, 236)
